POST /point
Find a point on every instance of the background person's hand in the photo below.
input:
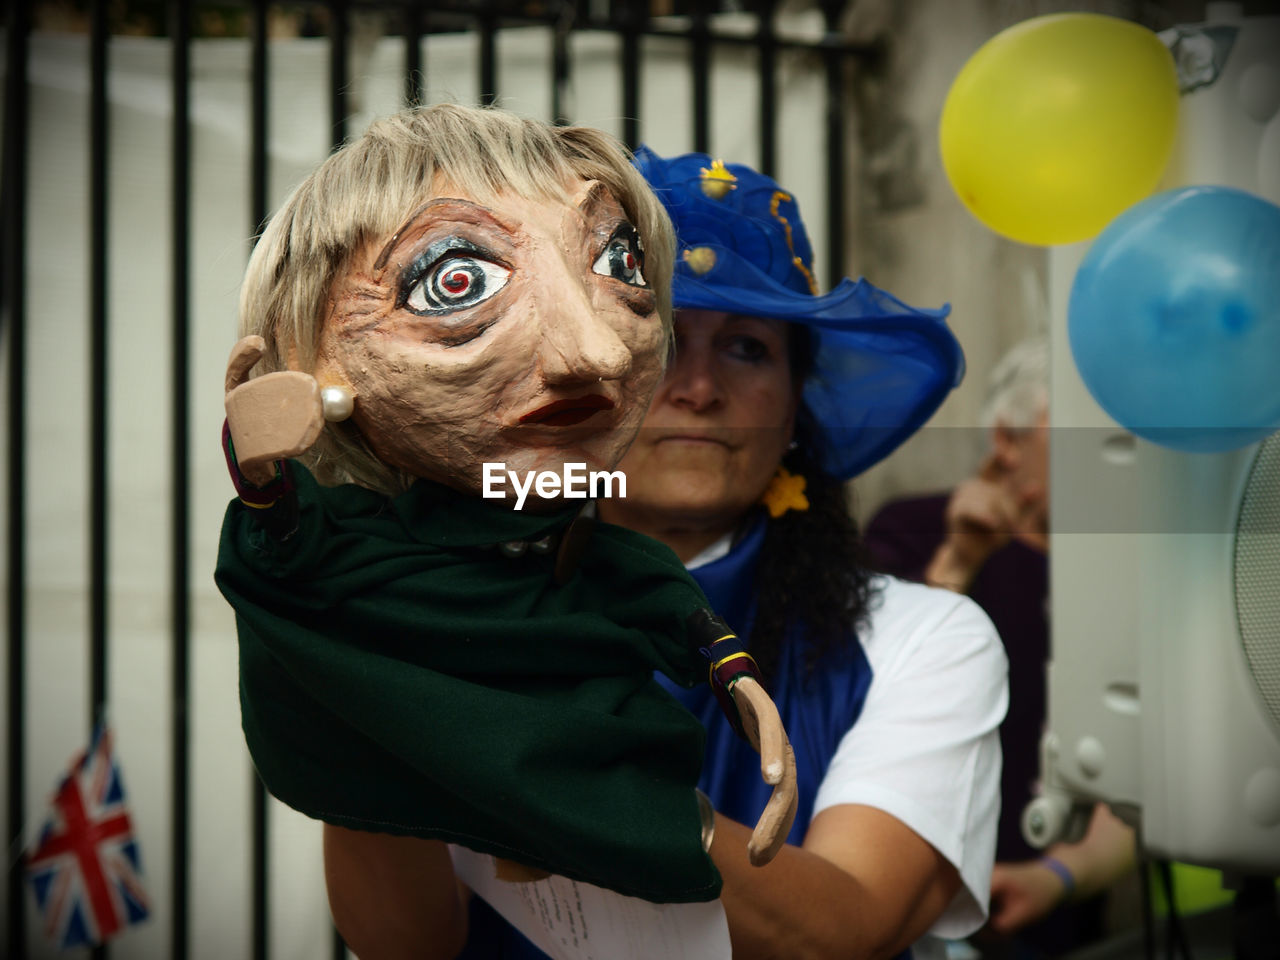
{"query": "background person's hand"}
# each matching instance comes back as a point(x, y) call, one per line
point(272, 417)
point(1022, 893)
point(983, 514)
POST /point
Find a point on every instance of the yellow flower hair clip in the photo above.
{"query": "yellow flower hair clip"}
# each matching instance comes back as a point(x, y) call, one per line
point(785, 492)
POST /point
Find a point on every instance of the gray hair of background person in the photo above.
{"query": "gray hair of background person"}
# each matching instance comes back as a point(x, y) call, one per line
point(1018, 388)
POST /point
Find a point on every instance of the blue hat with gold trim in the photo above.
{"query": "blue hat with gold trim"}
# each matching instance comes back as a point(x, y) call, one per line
point(881, 367)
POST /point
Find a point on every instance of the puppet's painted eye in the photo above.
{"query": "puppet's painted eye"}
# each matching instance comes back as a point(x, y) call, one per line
point(622, 259)
point(455, 282)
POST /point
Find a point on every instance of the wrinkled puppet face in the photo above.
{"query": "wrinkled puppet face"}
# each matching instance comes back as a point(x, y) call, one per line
point(523, 333)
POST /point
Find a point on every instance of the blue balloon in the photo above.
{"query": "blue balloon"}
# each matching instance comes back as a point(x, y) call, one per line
point(1174, 319)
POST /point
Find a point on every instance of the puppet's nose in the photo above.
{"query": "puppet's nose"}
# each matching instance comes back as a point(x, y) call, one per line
point(579, 344)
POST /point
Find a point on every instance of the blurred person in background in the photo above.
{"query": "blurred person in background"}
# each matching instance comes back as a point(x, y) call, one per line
point(989, 538)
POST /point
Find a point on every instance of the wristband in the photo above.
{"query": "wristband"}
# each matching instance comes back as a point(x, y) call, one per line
point(259, 498)
point(727, 659)
point(1064, 874)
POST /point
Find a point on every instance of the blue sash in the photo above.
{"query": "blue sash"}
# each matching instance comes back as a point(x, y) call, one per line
point(816, 710)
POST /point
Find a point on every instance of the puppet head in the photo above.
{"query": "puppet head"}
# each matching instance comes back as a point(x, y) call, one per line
point(488, 288)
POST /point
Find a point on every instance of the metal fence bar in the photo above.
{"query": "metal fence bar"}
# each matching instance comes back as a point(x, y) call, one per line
point(258, 119)
point(767, 41)
point(415, 82)
point(338, 56)
point(833, 65)
point(16, 126)
point(99, 344)
point(180, 546)
point(487, 27)
point(700, 70)
point(634, 15)
point(560, 64)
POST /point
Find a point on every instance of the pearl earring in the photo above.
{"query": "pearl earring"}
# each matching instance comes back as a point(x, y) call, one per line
point(336, 403)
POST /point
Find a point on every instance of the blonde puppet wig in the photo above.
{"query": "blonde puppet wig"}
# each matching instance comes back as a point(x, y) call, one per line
point(364, 191)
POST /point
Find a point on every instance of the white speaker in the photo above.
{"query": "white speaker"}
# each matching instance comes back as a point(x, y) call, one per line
point(1164, 682)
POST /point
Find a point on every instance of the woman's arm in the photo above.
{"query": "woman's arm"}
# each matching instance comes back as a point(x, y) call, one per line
point(904, 836)
point(864, 885)
point(393, 897)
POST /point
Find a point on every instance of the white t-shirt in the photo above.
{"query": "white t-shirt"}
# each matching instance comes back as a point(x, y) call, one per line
point(926, 747)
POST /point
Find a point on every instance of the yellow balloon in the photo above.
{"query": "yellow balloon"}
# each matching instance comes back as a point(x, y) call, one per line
point(1058, 124)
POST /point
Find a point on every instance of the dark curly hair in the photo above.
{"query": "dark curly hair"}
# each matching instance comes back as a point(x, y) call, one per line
point(813, 569)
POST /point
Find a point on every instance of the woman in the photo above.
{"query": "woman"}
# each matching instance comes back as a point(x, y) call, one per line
point(456, 289)
point(891, 692)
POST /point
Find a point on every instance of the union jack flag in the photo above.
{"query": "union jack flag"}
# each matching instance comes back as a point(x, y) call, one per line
point(85, 867)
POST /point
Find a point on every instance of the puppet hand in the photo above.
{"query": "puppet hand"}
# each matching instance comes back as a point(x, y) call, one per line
point(763, 727)
point(271, 417)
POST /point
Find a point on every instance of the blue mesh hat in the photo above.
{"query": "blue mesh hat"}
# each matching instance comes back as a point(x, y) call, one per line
point(881, 367)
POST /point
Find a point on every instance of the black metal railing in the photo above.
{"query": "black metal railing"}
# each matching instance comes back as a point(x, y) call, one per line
point(16, 129)
point(630, 20)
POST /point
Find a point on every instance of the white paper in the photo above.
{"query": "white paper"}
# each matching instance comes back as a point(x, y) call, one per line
point(572, 920)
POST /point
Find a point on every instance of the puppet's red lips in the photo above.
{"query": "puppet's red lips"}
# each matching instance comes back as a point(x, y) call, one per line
point(567, 413)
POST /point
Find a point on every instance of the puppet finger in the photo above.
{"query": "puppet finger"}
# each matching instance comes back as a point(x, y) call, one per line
point(779, 813)
point(763, 726)
point(246, 352)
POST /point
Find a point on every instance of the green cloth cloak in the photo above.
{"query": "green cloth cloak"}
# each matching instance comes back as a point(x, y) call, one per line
point(399, 674)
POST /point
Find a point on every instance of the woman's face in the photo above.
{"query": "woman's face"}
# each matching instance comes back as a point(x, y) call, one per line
point(716, 431)
point(522, 333)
